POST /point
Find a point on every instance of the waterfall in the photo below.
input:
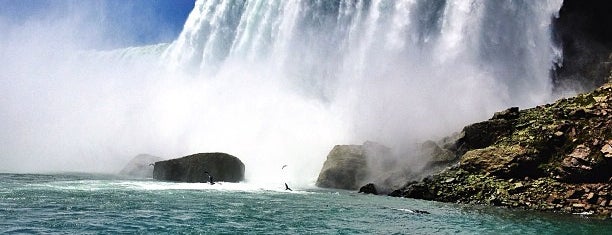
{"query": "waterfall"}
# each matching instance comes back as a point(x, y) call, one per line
point(453, 60)
point(276, 82)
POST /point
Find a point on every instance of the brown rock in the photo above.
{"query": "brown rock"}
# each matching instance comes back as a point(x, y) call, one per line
point(607, 150)
point(603, 203)
point(591, 198)
point(499, 161)
point(571, 194)
point(581, 152)
point(578, 205)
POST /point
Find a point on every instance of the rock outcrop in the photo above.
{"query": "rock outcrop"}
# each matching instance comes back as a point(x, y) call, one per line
point(140, 166)
point(368, 189)
point(193, 168)
point(555, 157)
point(345, 168)
point(351, 166)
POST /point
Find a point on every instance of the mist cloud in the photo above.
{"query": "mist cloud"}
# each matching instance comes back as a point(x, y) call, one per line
point(284, 91)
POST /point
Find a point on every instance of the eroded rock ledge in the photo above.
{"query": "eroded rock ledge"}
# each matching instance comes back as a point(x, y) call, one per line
point(555, 157)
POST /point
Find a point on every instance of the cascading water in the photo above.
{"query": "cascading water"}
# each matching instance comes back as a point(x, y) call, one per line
point(279, 82)
point(397, 71)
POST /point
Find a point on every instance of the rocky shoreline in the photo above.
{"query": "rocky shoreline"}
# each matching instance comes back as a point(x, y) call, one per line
point(555, 157)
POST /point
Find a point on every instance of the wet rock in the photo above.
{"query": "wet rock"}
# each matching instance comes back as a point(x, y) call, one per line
point(368, 189)
point(508, 114)
point(345, 168)
point(193, 168)
point(396, 193)
point(483, 134)
point(351, 166)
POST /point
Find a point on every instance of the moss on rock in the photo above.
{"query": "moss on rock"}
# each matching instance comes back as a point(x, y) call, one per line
point(554, 157)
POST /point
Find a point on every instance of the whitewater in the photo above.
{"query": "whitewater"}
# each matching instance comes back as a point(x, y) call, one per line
point(102, 204)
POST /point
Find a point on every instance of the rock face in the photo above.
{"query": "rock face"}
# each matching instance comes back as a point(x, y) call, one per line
point(368, 189)
point(583, 32)
point(140, 166)
point(221, 166)
point(556, 157)
point(351, 166)
point(345, 168)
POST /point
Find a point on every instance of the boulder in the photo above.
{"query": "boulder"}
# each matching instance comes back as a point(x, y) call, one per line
point(368, 189)
point(502, 161)
point(193, 168)
point(140, 166)
point(583, 165)
point(483, 134)
point(345, 168)
point(607, 149)
point(508, 114)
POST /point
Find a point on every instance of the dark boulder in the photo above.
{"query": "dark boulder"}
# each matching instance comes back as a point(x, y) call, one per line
point(368, 189)
point(418, 190)
point(508, 114)
point(140, 166)
point(193, 168)
point(483, 134)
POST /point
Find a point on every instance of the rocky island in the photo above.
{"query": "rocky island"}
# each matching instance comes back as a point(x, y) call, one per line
point(197, 168)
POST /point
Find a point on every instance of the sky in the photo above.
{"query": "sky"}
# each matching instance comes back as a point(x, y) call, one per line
point(118, 23)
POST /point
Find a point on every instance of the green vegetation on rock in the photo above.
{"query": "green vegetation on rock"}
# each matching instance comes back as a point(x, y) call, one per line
point(555, 157)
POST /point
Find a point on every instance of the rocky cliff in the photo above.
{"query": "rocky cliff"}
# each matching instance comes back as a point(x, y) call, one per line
point(555, 157)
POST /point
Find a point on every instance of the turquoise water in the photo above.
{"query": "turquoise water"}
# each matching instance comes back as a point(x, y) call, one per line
point(101, 204)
